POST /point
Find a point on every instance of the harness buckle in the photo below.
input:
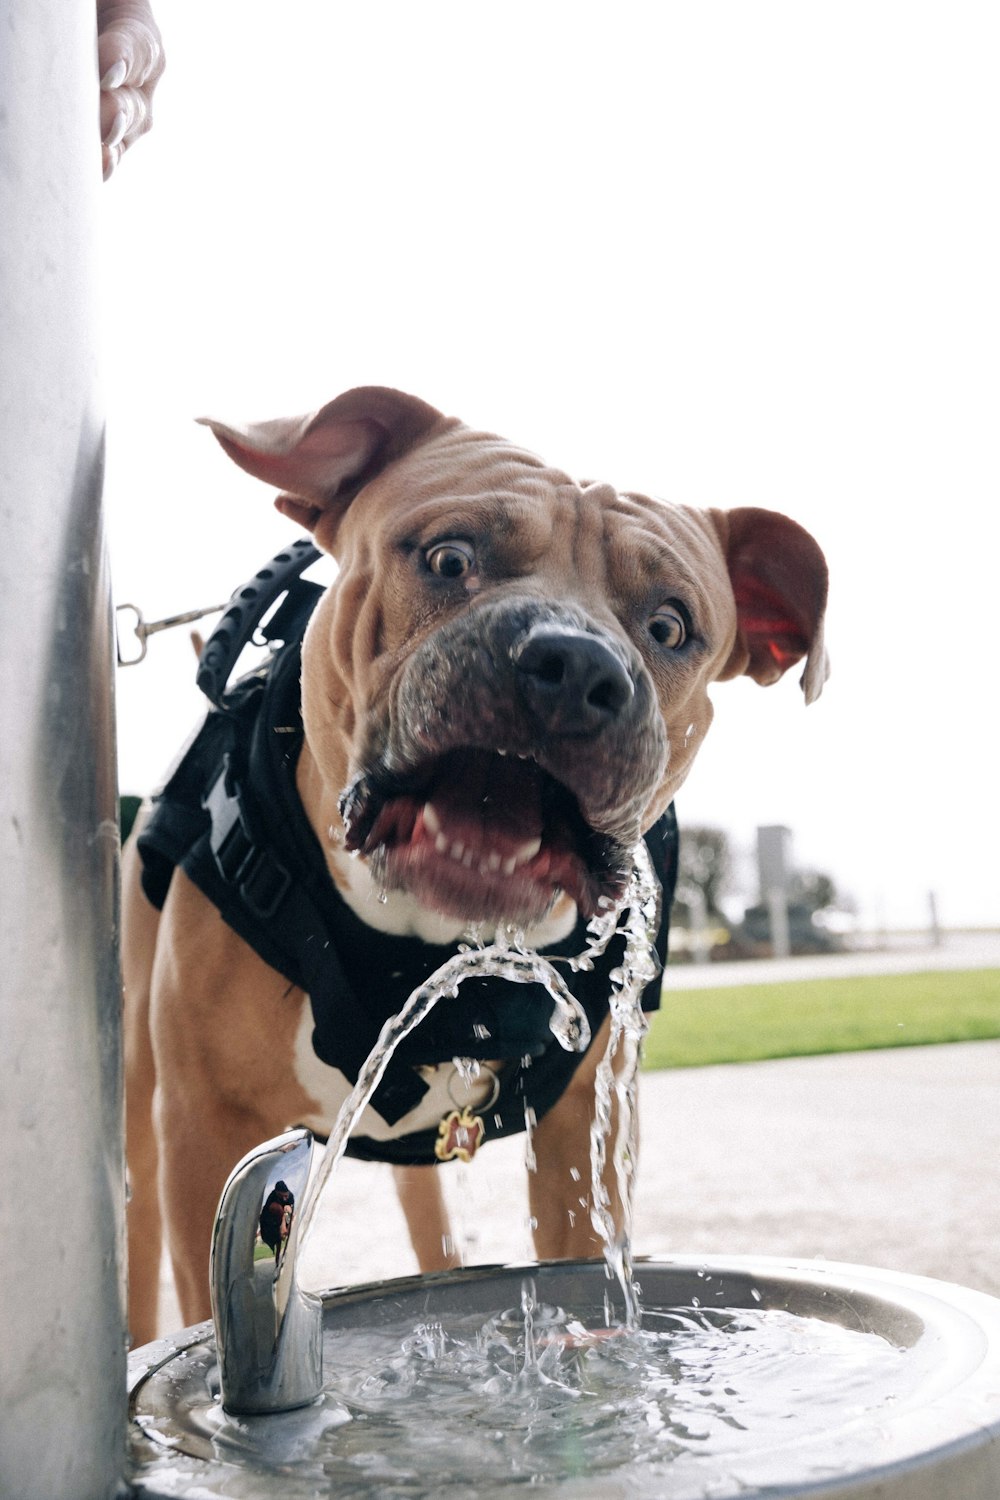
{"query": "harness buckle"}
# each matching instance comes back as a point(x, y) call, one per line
point(261, 880)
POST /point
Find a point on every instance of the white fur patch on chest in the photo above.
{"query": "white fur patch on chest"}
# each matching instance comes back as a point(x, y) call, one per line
point(328, 1088)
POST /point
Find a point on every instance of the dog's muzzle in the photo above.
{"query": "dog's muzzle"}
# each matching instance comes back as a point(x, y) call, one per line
point(521, 751)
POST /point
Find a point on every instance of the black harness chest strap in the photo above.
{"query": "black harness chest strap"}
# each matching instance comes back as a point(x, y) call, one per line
point(283, 915)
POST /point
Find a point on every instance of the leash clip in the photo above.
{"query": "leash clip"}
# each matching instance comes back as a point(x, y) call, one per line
point(142, 628)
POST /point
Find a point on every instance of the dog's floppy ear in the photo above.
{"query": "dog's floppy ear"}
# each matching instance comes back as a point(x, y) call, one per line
point(323, 459)
point(779, 578)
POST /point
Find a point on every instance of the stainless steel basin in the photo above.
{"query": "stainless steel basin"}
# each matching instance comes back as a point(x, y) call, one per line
point(899, 1399)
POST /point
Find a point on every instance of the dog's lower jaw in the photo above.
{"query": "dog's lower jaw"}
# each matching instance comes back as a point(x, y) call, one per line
point(396, 909)
point(460, 888)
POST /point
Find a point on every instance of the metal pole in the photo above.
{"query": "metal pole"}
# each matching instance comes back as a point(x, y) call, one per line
point(62, 1366)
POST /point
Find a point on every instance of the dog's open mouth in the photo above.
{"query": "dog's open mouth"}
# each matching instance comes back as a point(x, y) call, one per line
point(484, 836)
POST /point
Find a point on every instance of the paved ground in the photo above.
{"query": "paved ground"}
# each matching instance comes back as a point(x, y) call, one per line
point(888, 1158)
point(904, 954)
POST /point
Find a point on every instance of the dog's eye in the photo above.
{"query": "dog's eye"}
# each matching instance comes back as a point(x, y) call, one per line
point(451, 559)
point(668, 627)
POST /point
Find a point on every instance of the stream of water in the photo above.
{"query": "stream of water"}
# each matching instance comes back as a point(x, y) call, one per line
point(507, 957)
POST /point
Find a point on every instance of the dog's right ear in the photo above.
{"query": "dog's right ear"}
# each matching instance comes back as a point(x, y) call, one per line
point(324, 459)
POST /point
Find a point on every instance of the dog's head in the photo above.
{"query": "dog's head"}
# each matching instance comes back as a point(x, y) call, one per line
point(507, 682)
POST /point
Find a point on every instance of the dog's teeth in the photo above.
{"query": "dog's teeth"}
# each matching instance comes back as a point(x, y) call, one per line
point(528, 851)
point(431, 820)
point(467, 859)
point(494, 862)
point(509, 866)
point(441, 844)
point(457, 850)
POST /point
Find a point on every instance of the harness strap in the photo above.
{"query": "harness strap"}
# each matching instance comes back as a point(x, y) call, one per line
point(262, 881)
point(245, 859)
point(247, 607)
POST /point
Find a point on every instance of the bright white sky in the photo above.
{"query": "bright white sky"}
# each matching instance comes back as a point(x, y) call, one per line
point(724, 253)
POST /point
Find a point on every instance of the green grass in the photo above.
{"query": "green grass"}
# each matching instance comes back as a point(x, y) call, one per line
point(808, 1016)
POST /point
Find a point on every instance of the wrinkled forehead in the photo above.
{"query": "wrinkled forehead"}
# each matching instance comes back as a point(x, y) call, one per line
point(632, 542)
point(460, 472)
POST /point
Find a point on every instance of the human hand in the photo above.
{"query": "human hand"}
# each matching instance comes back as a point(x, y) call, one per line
point(130, 59)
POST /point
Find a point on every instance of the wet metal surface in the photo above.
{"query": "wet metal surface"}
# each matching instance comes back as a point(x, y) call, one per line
point(748, 1377)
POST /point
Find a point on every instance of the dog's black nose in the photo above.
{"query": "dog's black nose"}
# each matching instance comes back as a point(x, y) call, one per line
point(572, 681)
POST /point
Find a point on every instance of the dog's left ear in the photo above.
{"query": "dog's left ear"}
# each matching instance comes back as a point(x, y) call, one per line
point(779, 578)
point(325, 458)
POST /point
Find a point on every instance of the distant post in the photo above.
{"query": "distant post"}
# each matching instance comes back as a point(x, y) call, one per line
point(701, 942)
point(774, 868)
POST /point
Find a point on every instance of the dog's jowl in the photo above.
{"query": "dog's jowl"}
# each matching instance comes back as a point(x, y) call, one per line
point(498, 696)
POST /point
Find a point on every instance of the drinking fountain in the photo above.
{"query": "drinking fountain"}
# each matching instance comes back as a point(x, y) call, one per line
point(747, 1377)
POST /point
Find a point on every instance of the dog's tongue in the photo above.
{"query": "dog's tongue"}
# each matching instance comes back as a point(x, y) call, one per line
point(487, 802)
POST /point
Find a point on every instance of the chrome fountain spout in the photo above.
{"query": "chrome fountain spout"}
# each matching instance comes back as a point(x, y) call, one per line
point(268, 1332)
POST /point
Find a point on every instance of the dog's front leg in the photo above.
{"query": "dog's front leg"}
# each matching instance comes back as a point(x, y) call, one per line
point(559, 1189)
point(223, 1025)
point(422, 1201)
point(202, 1152)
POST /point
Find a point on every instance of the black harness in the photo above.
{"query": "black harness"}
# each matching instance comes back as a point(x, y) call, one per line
point(230, 817)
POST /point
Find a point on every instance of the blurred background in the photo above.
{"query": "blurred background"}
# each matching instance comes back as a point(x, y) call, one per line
point(725, 254)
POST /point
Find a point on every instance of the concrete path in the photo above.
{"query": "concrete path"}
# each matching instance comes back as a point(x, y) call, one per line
point(891, 955)
point(888, 1158)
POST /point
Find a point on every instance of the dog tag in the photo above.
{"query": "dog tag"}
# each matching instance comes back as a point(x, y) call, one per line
point(460, 1134)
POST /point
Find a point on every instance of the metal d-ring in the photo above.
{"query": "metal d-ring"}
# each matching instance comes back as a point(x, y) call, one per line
point(465, 1103)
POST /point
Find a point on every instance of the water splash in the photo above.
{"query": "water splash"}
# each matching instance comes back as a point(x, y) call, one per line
point(509, 958)
point(431, 1401)
point(619, 1086)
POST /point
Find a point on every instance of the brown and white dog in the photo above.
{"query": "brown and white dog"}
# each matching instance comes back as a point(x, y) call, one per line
point(501, 692)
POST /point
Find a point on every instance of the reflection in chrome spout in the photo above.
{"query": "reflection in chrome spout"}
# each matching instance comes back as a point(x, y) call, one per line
point(268, 1331)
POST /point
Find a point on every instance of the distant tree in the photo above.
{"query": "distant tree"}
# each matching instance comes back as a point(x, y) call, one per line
point(809, 892)
point(812, 890)
point(703, 874)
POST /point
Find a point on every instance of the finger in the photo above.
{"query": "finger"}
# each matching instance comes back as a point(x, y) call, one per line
point(129, 52)
point(126, 114)
point(111, 114)
point(110, 157)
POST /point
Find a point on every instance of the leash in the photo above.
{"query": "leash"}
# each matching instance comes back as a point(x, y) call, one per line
point(244, 610)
